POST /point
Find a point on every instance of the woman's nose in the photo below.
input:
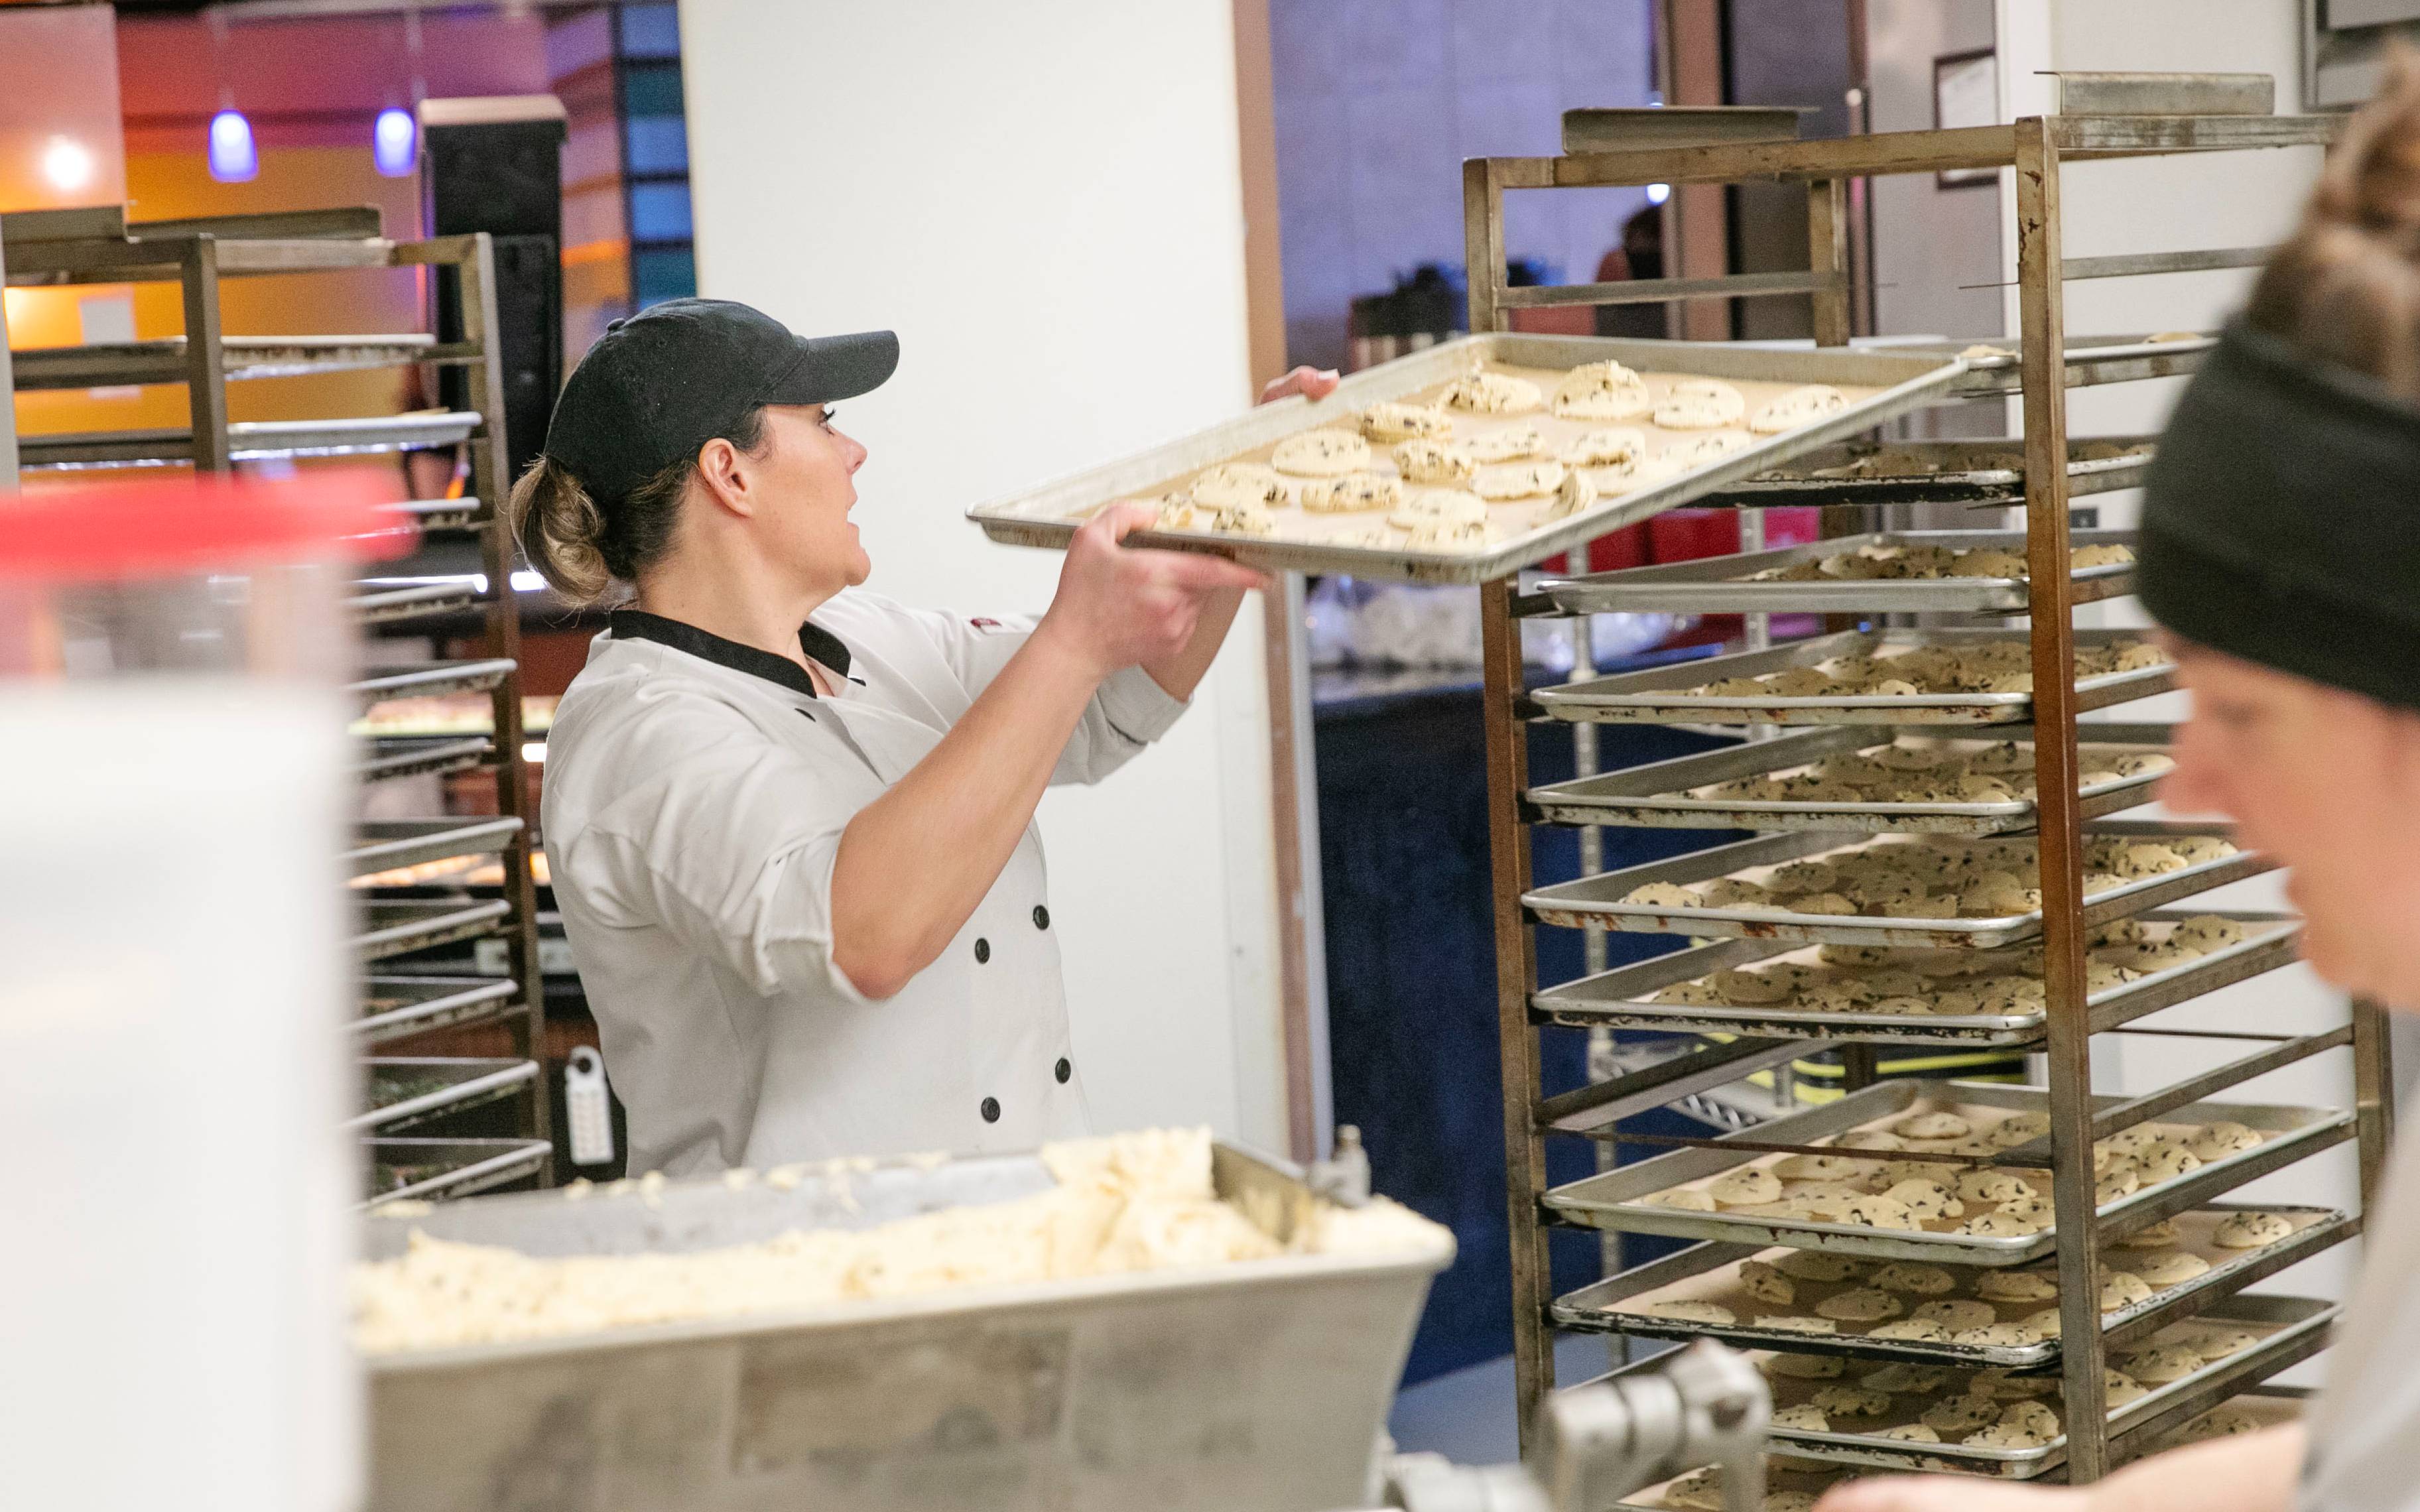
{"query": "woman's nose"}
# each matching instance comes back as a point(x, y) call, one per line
point(2195, 786)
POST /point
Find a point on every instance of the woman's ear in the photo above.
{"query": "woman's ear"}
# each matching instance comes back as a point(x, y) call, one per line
point(724, 471)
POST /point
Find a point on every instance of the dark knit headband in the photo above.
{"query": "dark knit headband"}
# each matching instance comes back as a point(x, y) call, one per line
point(2281, 520)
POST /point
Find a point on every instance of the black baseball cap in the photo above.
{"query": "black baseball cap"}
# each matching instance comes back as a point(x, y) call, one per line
point(661, 383)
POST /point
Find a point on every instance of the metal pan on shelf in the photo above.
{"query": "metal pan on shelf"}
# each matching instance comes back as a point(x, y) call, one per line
point(404, 1090)
point(394, 1008)
point(1600, 900)
point(252, 440)
point(375, 604)
point(410, 756)
point(1619, 998)
point(465, 514)
point(390, 929)
point(2292, 1328)
point(1724, 585)
point(1866, 471)
point(383, 844)
point(1661, 696)
point(1654, 796)
point(1708, 1271)
point(1615, 1199)
point(408, 1169)
point(429, 681)
point(1998, 366)
point(1890, 381)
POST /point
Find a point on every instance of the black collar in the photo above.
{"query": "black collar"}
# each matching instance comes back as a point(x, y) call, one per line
point(818, 643)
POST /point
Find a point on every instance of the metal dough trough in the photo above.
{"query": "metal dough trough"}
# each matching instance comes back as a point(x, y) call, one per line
point(1599, 900)
point(1721, 584)
point(1262, 1385)
point(1615, 1199)
point(1046, 515)
point(1660, 696)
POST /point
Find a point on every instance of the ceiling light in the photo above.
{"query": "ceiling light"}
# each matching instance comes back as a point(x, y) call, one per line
point(67, 163)
point(233, 158)
point(395, 143)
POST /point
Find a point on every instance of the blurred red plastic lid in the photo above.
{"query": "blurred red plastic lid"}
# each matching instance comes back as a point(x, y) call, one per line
point(158, 527)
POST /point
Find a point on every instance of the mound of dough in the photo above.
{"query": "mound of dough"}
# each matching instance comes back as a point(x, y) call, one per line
point(1932, 1126)
point(1910, 1433)
point(1797, 407)
point(1798, 1324)
point(1433, 461)
point(2120, 1290)
point(1852, 1402)
point(1863, 1305)
point(1351, 492)
point(1957, 1312)
point(1321, 453)
point(1518, 480)
point(2251, 1231)
point(1506, 443)
point(1912, 1330)
point(1903, 1379)
point(1765, 1284)
point(1492, 393)
point(1699, 403)
point(1238, 484)
point(1699, 450)
point(1244, 520)
point(1806, 1417)
point(1613, 447)
point(2016, 1286)
point(2219, 1140)
point(1692, 1312)
point(1687, 1199)
point(1748, 1184)
point(1391, 422)
point(2172, 1269)
point(1806, 1366)
point(1814, 1265)
point(1701, 1490)
point(1662, 895)
point(1602, 391)
point(1575, 495)
point(1998, 1335)
point(2163, 1362)
point(1914, 1279)
point(1438, 505)
point(1960, 1414)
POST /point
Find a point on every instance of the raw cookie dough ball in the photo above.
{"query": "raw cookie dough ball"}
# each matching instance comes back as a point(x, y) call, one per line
point(2005, 1436)
point(2213, 1341)
point(2122, 1289)
point(1960, 1414)
point(1987, 1185)
point(1433, 461)
point(1692, 1312)
point(1914, 1279)
point(1998, 1335)
point(1432, 506)
point(2172, 1269)
point(1689, 994)
point(1956, 1312)
point(1575, 495)
point(1506, 443)
point(1806, 1418)
point(2120, 1180)
point(1747, 987)
point(1932, 1126)
point(2221, 1139)
point(2162, 1363)
point(2151, 1236)
point(1391, 422)
point(1905, 1379)
point(1798, 407)
point(1351, 492)
point(2119, 1388)
point(1806, 1366)
point(1602, 391)
point(1910, 1433)
point(1926, 1199)
point(1662, 895)
point(1878, 1212)
point(1686, 1200)
point(1798, 1324)
point(1492, 393)
point(2251, 1231)
point(1238, 484)
point(2140, 861)
point(1819, 1167)
point(1613, 447)
point(1863, 1305)
point(1243, 519)
point(1766, 1284)
point(2045, 1322)
point(1699, 403)
point(1748, 1184)
point(1321, 453)
point(1821, 903)
point(1911, 1330)
point(1852, 1402)
point(2003, 1224)
point(2016, 1286)
point(1518, 480)
point(2166, 1162)
point(1814, 1265)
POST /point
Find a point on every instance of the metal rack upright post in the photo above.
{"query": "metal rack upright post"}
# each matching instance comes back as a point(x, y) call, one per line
point(2139, 117)
point(100, 246)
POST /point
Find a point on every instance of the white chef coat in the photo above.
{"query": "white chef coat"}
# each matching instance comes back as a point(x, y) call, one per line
point(696, 794)
point(2364, 1452)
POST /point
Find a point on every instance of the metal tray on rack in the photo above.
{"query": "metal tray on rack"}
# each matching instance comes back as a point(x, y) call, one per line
point(251, 440)
point(1638, 796)
point(163, 361)
point(1993, 471)
point(431, 680)
point(383, 844)
point(377, 604)
point(1659, 696)
point(2297, 1328)
point(390, 929)
point(1599, 900)
point(394, 1008)
point(2090, 361)
point(408, 1169)
point(1615, 1199)
point(410, 756)
point(1889, 382)
point(465, 514)
point(1600, 1308)
point(1616, 998)
point(407, 1090)
point(1722, 584)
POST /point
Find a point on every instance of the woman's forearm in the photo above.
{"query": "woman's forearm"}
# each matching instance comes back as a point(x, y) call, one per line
point(915, 862)
point(2252, 1472)
point(1180, 674)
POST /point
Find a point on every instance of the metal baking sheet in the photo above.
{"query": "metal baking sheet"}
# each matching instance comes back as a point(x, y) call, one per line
point(1993, 471)
point(2268, 1405)
point(1599, 900)
point(395, 1008)
point(1712, 585)
point(465, 514)
point(2294, 1329)
point(411, 756)
point(408, 1169)
point(251, 440)
point(1659, 696)
point(404, 1090)
point(435, 678)
point(384, 844)
point(378, 604)
point(1709, 1272)
point(390, 929)
point(1615, 1199)
point(1998, 366)
point(162, 359)
point(1635, 797)
point(1618, 998)
point(1892, 382)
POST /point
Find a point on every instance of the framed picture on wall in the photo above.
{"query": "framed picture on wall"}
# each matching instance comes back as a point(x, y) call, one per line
point(1965, 92)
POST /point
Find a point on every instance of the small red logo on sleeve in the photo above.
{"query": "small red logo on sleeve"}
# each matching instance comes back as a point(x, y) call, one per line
point(984, 624)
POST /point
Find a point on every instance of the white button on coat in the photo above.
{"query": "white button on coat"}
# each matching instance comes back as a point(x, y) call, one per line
point(695, 795)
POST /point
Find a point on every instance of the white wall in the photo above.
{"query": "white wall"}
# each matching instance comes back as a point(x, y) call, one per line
point(1044, 200)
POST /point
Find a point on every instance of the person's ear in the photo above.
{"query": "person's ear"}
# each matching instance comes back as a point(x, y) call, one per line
point(723, 469)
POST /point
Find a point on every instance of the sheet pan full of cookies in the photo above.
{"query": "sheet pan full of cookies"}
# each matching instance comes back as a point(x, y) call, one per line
point(1474, 459)
point(2009, 1224)
point(1897, 572)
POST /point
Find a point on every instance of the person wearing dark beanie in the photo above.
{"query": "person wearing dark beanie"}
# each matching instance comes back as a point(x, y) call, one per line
point(2280, 553)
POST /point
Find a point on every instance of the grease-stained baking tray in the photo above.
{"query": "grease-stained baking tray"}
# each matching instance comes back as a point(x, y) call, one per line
point(1998, 366)
point(404, 1090)
point(1727, 584)
point(417, 757)
point(1710, 1274)
point(1877, 384)
point(396, 1006)
point(1661, 695)
point(2289, 1329)
point(389, 929)
point(1615, 1199)
point(1656, 795)
point(1620, 998)
point(1867, 471)
point(404, 1169)
point(383, 844)
point(1601, 900)
point(431, 680)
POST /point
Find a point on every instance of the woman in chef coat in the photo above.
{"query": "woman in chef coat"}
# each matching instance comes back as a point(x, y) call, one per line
point(790, 822)
point(2281, 549)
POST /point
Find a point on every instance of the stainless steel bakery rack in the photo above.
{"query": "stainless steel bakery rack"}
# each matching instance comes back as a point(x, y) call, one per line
point(101, 246)
point(2041, 470)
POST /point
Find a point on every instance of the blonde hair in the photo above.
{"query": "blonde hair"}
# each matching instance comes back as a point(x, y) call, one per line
point(582, 547)
point(2346, 287)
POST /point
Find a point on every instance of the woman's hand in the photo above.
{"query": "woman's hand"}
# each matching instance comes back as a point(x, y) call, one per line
point(1120, 606)
point(1948, 1493)
point(1310, 382)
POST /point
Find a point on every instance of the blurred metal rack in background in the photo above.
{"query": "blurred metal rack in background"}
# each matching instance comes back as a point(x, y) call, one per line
point(2132, 115)
point(100, 246)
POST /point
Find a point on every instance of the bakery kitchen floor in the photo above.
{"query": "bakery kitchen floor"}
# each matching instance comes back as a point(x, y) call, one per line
point(1466, 1415)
